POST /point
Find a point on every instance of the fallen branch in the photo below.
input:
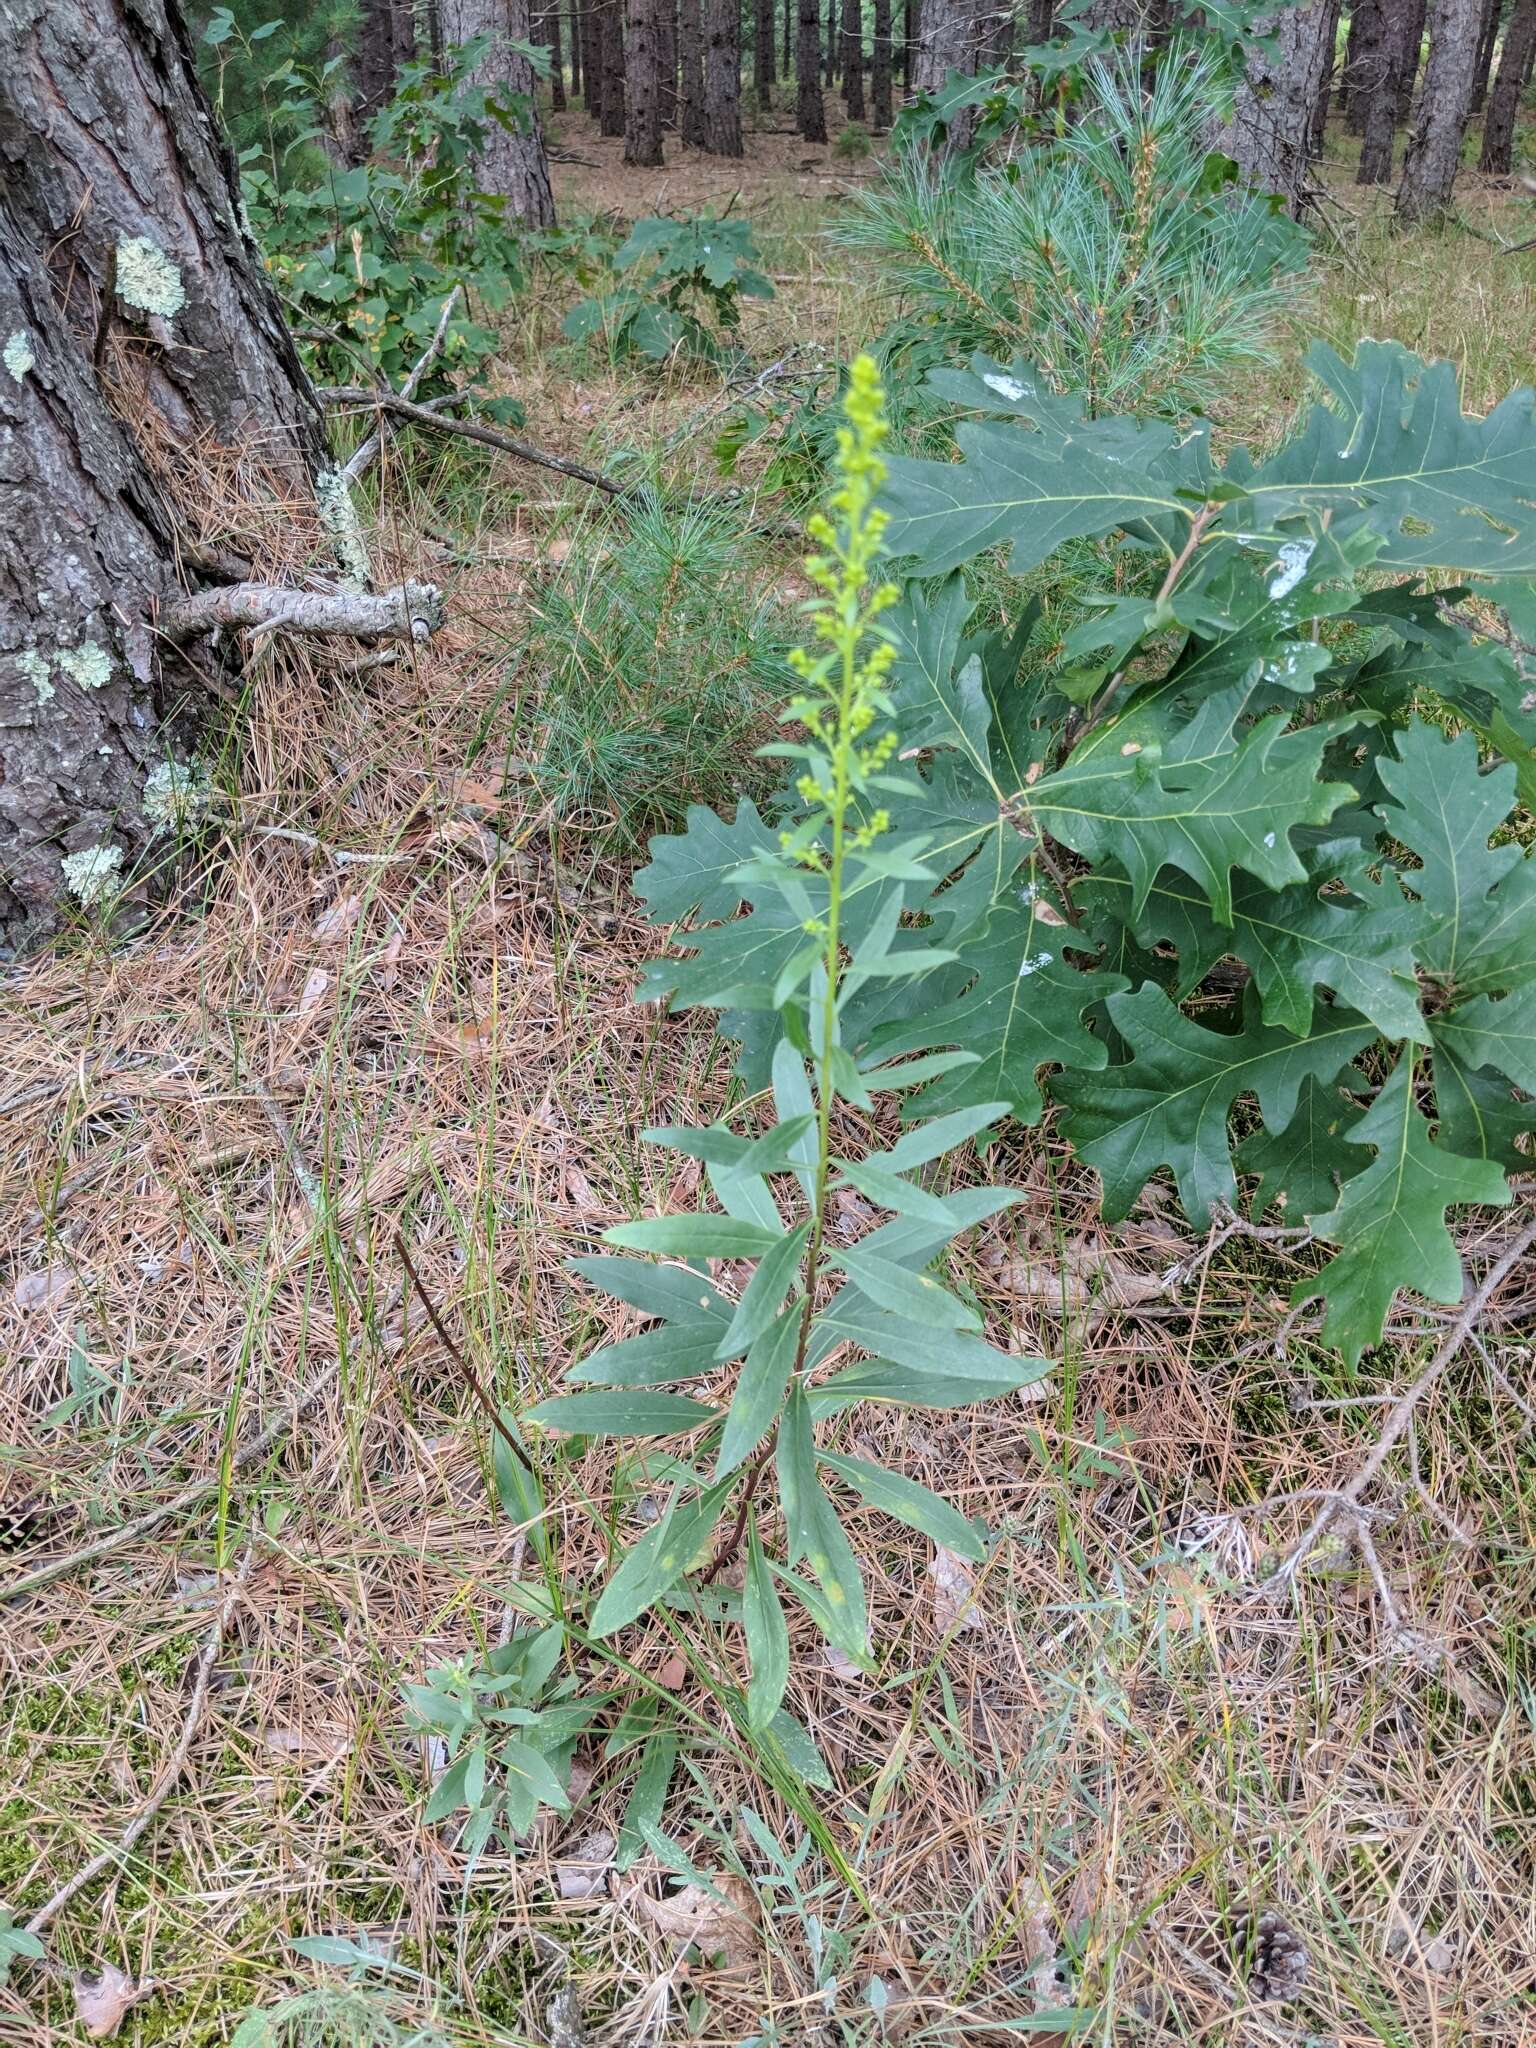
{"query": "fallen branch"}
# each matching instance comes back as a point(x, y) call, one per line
point(411, 611)
point(364, 458)
point(472, 430)
point(1344, 1502)
point(176, 1763)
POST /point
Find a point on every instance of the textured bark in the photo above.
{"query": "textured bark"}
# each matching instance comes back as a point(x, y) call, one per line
point(1486, 42)
point(666, 42)
point(642, 67)
point(1042, 21)
point(1270, 133)
point(386, 39)
point(1380, 54)
point(106, 137)
point(513, 163)
point(411, 611)
point(550, 37)
point(853, 59)
point(912, 35)
point(575, 41)
point(1445, 104)
point(948, 41)
point(610, 118)
point(722, 77)
point(1409, 30)
point(1317, 133)
point(787, 48)
point(810, 110)
point(691, 43)
point(829, 45)
point(880, 69)
point(592, 57)
point(1504, 100)
point(762, 54)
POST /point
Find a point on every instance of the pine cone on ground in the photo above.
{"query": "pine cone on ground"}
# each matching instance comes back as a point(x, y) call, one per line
point(1275, 1954)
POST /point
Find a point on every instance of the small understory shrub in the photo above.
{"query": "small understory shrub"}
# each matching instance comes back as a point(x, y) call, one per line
point(649, 662)
point(1234, 879)
point(685, 280)
point(1116, 256)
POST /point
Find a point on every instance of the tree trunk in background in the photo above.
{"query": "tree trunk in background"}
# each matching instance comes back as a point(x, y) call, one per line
point(386, 39)
point(553, 42)
point(1410, 31)
point(116, 188)
point(1356, 54)
point(1270, 132)
point(853, 59)
point(513, 163)
point(574, 30)
point(880, 70)
point(592, 57)
point(691, 42)
point(810, 112)
point(948, 42)
point(666, 39)
point(1486, 42)
point(1434, 145)
point(829, 46)
point(1375, 90)
point(610, 120)
point(722, 77)
point(1317, 133)
point(1042, 21)
point(787, 49)
point(762, 55)
point(1504, 101)
point(642, 70)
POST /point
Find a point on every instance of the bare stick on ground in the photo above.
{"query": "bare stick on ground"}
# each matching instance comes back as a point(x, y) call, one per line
point(411, 611)
point(175, 1764)
point(472, 430)
point(359, 464)
point(1344, 1502)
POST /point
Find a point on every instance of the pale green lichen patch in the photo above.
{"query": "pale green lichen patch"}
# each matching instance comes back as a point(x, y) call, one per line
point(147, 278)
point(175, 793)
point(92, 873)
point(17, 354)
point(35, 668)
point(89, 664)
point(338, 515)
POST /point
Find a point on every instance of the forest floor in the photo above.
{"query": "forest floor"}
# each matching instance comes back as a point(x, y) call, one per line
point(1061, 1787)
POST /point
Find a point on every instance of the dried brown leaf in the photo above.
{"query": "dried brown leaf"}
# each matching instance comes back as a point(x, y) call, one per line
point(954, 1593)
point(104, 2002)
point(726, 1926)
point(37, 1290)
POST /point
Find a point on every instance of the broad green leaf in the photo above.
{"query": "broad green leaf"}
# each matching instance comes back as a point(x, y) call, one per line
point(523, 1763)
point(908, 1386)
point(656, 1358)
point(917, 1296)
point(1390, 1219)
point(795, 1104)
point(1495, 1032)
point(693, 870)
point(1301, 1168)
point(938, 1135)
point(767, 1636)
point(791, 1747)
point(683, 1298)
point(795, 1467)
point(517, 1484)
point(621, 1413)
point(1480, 1114)
point(746, 1196)
point(654, 1565)
point(759, 1393)
point(892, 1192)
point(1446, 810)
point(842, 1614)
point(1169, 1105)
point(648, 1800)
point(906, 1501)
point(699, 1236)
point(1022, 1012)
point(763, 1297)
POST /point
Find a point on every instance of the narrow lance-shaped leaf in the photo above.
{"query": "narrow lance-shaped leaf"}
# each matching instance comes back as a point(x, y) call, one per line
point(767, 1635)
point(776, 1273)
point(654, 1565)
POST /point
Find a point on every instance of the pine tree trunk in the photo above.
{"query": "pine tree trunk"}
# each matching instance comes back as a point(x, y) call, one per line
point(592, 57)
point(1042, 21)
point(1504, 101)
point(1486, 43)
point(762, 55)
point(116, 190)
point(1410, 15)
point(1367, 55)
point(810, 110)
point(829, 44)
point(574, 31)
point(552, 42)
point(722, 77)
point(667, 44)
point(912, 35)
point(948, 42)
point(513, 163)
point(1380, 53)
point(691, 38)
point(610, 119)
point(1445, 104)
point(787, 47)
point(853, 59)
point(880, 70)
point(386, 39)
point(642, 68)
point(1317, 133)
point(1270, 133)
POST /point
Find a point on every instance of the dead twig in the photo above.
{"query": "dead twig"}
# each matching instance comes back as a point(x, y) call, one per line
point(471, 1377)
point(472, 430)
point(411, 611)
point(1345, 1502)
point(359, 464)
point(175, 1764)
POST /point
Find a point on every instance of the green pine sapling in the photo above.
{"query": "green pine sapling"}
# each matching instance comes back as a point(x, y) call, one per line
point(838, 876)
